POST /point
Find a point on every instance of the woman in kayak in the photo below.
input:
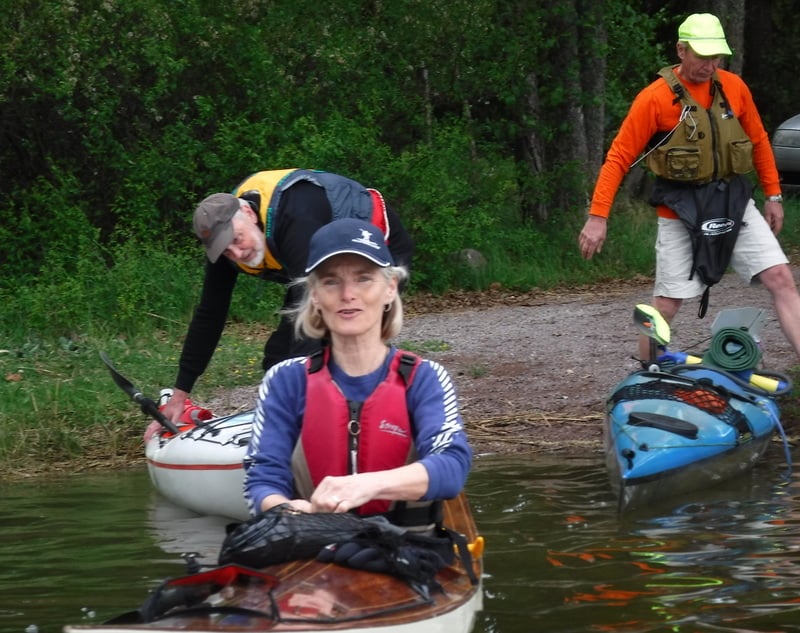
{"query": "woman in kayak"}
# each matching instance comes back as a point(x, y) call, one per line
point(360, 425)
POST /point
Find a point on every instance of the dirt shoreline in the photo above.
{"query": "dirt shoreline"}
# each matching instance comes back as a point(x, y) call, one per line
point(532, 370)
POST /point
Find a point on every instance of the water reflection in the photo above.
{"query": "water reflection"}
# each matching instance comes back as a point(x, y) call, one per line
point(181, 532)
point(558, 558)
point(724, 560)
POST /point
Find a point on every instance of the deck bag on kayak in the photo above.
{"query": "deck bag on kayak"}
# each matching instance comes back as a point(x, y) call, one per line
point(409, 555)
point(700, 393)
point(282, 534)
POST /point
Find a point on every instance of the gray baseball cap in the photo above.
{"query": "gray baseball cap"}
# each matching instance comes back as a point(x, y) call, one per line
point(212, 223)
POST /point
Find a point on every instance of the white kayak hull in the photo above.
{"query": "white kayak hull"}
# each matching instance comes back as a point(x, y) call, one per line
point(201, 468)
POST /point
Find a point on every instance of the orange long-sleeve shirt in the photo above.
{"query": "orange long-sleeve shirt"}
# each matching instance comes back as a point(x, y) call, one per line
point(653, 110)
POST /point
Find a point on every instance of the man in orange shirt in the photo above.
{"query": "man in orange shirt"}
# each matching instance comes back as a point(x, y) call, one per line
point(699, 131)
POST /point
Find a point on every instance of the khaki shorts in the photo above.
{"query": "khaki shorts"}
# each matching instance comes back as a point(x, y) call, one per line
point(756, 249)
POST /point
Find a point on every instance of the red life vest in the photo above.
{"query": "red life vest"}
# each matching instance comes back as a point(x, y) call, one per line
point(340, 437)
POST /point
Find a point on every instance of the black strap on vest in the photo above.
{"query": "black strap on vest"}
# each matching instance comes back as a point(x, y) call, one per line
point(678, 89)
point(726, 105)
point(704, 299)
point(316, 360)
point(406, 367)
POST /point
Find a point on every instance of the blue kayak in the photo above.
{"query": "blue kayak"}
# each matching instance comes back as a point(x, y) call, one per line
point(681, 429)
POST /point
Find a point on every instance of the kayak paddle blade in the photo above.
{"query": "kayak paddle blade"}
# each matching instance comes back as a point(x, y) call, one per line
point(147, 405)
point(120, 380)
point(651, 323)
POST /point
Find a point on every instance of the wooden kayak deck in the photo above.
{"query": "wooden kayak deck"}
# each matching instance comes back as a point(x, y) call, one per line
point(315, 596)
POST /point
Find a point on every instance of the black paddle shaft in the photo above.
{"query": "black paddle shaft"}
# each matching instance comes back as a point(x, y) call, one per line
point(148, 406)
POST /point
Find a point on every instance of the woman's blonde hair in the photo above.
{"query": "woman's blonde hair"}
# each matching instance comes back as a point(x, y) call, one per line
point(308, 320)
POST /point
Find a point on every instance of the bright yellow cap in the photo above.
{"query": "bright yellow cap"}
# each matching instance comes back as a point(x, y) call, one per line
point(703, 32)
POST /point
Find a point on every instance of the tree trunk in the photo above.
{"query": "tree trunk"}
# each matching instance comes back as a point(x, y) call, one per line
point(534, 147)
point(732, 15)
point(593, 46)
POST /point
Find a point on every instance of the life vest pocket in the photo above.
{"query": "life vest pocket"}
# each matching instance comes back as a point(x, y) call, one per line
point(683, 164)
point(741, 153)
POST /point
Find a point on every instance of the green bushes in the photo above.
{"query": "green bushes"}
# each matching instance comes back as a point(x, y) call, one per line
point(142, 108)
point(471, 117)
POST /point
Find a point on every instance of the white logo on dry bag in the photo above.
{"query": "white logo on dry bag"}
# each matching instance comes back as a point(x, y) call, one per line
point(717, 226)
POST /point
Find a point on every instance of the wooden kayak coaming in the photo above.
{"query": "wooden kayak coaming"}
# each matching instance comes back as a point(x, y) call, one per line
point(315, 596)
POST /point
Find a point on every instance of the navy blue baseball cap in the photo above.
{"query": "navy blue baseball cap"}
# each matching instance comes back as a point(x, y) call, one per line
point(348, 235)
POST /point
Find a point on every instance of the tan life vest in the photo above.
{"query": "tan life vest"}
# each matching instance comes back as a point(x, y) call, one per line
point(706, 145)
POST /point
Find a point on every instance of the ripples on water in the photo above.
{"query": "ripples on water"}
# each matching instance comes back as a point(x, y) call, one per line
point(560, 559)
point(71, 550)
point(85, 548)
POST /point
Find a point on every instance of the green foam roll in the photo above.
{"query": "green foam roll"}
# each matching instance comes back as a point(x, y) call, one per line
point(733, 349)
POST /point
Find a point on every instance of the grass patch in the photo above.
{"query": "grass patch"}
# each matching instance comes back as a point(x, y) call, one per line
point(60, 403)
point(424, 347)
point(478, 371)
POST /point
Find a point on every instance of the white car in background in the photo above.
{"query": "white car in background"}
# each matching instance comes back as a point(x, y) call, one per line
point(786, 146)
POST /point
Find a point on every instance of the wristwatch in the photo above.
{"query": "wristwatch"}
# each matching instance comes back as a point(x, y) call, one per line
point(776, 198)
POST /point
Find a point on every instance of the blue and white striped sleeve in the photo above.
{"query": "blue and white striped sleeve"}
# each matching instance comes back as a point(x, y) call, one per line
point(440, 438)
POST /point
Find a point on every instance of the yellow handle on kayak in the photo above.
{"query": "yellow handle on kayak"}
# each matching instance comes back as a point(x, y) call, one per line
point(757, 380)
point(765, 383)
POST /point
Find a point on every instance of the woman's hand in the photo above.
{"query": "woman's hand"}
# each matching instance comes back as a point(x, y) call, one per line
point(301, 505)
point(341, 494)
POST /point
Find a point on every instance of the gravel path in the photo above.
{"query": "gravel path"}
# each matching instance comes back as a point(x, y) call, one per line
point(533, 370)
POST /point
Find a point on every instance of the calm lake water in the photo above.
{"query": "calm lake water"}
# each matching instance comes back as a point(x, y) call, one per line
point(83, 548)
